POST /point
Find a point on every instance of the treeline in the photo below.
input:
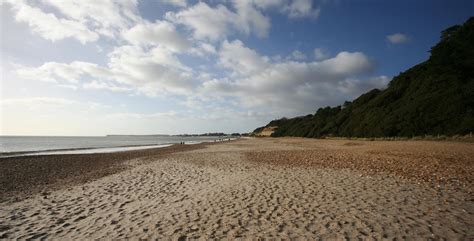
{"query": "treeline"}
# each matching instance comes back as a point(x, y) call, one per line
point(211, 134)
point(435, 97)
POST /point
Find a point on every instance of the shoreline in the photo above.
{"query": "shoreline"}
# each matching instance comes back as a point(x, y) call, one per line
point(97, 150)
point(26, 176)
point(53, 151)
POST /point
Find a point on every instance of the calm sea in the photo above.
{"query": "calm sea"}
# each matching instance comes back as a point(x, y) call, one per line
point(27, 145)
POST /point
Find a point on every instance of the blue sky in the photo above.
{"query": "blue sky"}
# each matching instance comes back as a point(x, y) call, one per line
point(175, 66)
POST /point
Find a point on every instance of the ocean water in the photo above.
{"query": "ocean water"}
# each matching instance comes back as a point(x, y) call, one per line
point(35, 145)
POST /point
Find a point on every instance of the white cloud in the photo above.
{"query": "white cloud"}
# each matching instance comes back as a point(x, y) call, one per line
point(67, 86)
point(290, 88)
point(203, 49)
point(106, 17)
point(177, 3)
point(151, 72)
point(84, 20)
point(206, 22)
point(87, 20)
point(208, 48)
point(158, 33)
point(218, 22)
point(292, 8)
point(319, 54)
point(98, 85)
point(286, 87)
point(301, 8)
point(265, 4)
point(35, 103)
point(397, 38)
point(48, 26)
point(297, 55)
point(126, 58)
point(152, 116)
point(235, 56)
point(346, 64)
point(52, 72)
point(251, 20)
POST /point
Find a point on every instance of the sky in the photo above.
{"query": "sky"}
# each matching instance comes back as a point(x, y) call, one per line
point(88, 67)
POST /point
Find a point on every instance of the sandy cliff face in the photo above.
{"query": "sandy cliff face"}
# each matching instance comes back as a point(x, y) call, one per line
point(267, 131)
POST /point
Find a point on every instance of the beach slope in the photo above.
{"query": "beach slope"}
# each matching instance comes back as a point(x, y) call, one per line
point(263, 187)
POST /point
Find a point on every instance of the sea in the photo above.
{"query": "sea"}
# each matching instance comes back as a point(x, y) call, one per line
point(51, 145)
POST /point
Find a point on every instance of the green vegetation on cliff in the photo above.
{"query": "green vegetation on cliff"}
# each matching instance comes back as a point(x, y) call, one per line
point(435, 97)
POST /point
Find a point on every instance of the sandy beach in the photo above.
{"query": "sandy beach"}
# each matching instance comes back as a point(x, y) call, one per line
point(246, 189)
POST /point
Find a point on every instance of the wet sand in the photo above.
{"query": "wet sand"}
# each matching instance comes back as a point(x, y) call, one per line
point(285, 188)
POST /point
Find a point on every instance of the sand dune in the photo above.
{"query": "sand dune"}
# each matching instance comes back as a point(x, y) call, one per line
point(225, 191)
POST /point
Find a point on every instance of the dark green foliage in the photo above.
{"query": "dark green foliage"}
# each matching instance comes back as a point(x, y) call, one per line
point(435, 97)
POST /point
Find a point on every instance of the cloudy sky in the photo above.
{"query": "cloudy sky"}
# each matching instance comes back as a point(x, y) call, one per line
point(96, 67)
